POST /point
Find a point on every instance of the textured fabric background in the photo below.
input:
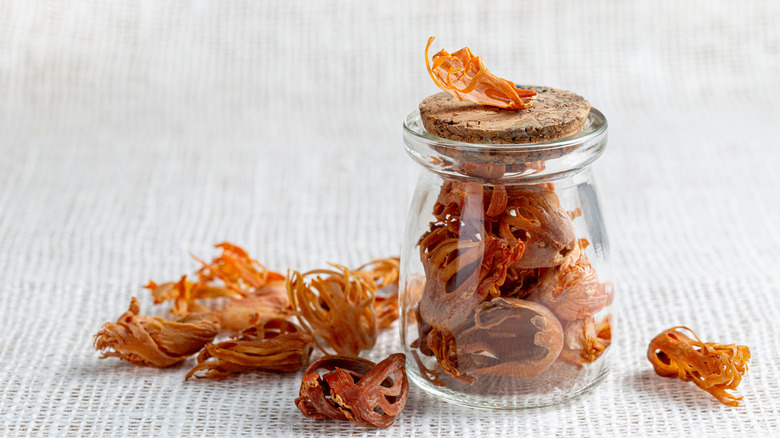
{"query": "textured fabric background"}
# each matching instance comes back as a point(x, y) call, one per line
point(133, 133)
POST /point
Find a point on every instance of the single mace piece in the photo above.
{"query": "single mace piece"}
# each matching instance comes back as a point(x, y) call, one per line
point(153, 341)
point(465, 77)
point(355, 389)
point(247, 285)
point(584, 340)
point(713, 367)
point(276, 345)
point(335, 306)
point(236, 270)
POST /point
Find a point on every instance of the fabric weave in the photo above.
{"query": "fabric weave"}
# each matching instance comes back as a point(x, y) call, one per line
point(134, 133)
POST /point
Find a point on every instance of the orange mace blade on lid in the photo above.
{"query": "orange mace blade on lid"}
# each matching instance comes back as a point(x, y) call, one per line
point(465, 77)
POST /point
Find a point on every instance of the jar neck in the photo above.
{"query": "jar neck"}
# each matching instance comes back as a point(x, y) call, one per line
point(506, 163)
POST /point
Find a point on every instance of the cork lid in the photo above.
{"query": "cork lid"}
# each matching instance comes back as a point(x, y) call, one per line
point(559, 134)
point(555, 114)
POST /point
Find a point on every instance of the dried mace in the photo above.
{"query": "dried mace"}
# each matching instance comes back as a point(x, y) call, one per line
point(276, 345)
point(153, 341)
point(713, 367)
point(465, 77)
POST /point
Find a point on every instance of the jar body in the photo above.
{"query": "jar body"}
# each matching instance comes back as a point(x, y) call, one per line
point(505, 286)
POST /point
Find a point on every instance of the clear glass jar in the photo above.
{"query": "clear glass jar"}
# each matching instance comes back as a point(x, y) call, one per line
point(505, 282)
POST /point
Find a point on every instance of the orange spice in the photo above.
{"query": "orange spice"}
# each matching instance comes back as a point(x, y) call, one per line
point(465, 77)
point(715, 368)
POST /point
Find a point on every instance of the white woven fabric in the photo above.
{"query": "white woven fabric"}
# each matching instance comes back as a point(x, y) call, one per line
point(133, 133)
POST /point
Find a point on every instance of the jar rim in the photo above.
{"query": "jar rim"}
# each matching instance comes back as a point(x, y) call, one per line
point(595, 125)
point(521, 162)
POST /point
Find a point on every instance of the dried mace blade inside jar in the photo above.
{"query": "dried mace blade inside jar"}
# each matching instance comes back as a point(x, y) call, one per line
point(355, 389)
point(715, 368)
point(585, 341)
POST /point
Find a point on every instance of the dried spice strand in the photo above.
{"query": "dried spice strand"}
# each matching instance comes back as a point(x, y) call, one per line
point(444, 347)
point(184, 294)
point(275, 345)
point(465, 77)
point(386, 311)
point(153, 341)
point(469, 205)
point(431, 375)
point(264, 304)
point(385, 274)
point(355, 389)
point(585, 341)
point(335, 307)
point(236, 270)
point(573, 290)
point(715, 368)
point(520, 283)
point(463, 260)
point(460, 275)
point(233, 275)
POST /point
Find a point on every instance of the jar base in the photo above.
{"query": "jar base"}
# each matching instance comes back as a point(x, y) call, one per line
point(504, 401)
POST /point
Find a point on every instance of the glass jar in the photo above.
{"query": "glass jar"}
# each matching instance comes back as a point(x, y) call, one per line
point(505, 282)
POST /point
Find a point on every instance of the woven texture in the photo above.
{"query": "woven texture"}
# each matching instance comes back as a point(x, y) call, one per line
point(134, 133)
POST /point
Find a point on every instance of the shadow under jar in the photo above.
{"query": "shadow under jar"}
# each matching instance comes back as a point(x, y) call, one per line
point(505, 283)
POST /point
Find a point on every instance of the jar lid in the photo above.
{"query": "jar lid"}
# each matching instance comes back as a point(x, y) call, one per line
point(554, 114)
point(527, 162)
